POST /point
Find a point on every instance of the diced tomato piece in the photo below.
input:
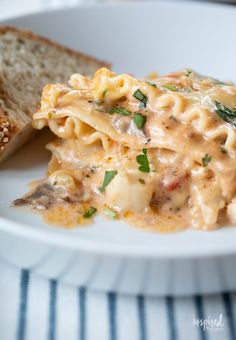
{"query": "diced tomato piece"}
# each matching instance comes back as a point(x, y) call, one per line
point(169, 186)
point(171, 182)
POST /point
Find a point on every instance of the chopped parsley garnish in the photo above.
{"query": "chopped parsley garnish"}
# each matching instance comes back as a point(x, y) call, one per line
point(143, 161)
point(206, 160)
point(139, 120)
point(120, 110)
point(141, 181)
point(138, 94)
point(104, 92)
point(151, 84)
point(110, 213)
point(170, 87)
point(88, 213)
point(228, 115)
point(109, 175)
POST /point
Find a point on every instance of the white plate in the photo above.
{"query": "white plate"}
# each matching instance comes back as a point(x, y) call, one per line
point(136, 38)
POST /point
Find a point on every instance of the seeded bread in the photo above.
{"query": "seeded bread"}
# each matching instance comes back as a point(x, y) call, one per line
point(27, 63)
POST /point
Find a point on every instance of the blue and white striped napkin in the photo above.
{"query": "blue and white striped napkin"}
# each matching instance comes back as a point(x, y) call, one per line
point(35, 308)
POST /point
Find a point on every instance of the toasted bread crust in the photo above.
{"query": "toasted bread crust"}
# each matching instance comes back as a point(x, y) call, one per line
point(7, 130)
point(29, 34)
point(14, 130)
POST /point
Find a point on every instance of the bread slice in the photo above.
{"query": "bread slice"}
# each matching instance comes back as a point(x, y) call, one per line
point(27, 63)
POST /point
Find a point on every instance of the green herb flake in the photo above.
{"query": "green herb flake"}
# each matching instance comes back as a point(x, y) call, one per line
point(104, 92)
point(139, 120)
point(151, 84)
point(143, 161)
point(138, 94)
point(120, 110)
point(170, 87)
point(141, 181)
point(206, 160)
point(110, 213)
point(109, 175)
point(88, 213)
point(228, 115)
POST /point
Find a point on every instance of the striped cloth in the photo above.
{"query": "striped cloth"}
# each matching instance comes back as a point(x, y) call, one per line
point(34, 308)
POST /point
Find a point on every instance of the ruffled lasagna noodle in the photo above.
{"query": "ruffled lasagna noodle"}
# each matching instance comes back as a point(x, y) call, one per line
point(160, 153)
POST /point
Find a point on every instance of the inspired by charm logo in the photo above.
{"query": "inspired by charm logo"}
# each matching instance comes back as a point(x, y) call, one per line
point(209, 323)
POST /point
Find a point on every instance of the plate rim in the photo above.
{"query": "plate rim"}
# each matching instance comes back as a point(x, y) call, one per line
point(49, 236)
point(108, 248)
point(131, 3)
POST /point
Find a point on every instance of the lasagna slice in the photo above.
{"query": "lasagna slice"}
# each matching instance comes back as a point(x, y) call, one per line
point(160, 153)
